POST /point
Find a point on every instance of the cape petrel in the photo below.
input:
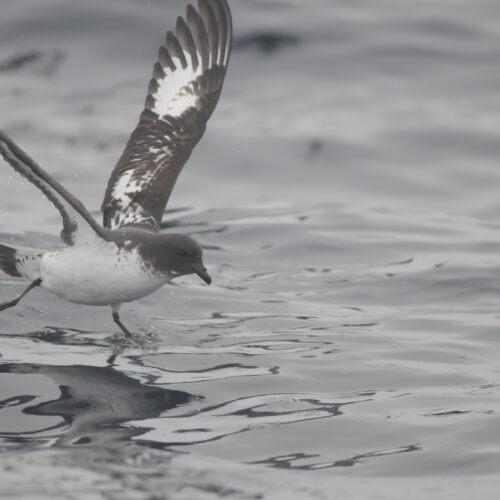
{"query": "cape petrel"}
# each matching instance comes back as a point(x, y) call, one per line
point(127, 257)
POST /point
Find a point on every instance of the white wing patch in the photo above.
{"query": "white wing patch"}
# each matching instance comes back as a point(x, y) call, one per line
point(175, 92)
point(128, 184)
point(123, 192)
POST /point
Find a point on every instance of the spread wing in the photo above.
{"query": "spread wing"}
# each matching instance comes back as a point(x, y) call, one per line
point(186, 84)
point(78, 224)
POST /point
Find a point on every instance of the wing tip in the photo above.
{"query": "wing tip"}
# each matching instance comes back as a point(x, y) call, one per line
point(200, 44)
point(204, 33)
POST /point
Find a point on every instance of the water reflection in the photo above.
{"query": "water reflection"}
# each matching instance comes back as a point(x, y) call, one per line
point(292, 461)
point(246, 414)
point(93, 402)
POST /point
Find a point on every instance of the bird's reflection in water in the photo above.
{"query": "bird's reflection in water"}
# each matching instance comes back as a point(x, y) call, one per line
point(93, 403)
point(120, 345)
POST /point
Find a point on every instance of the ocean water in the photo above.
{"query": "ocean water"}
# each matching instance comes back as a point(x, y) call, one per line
point(347, 197)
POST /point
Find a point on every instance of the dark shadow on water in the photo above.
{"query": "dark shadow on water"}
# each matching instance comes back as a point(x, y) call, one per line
point(94, 403)
point(266, 43)
point(43, 63)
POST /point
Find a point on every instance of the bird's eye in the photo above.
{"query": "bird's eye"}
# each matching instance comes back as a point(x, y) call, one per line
point(182, 253)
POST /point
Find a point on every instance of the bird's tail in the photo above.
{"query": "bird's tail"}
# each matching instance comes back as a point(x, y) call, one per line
point(20, 262)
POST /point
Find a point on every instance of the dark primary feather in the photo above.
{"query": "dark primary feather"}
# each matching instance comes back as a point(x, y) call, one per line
point(8, 260)
point(77, 222)
point(186, 85)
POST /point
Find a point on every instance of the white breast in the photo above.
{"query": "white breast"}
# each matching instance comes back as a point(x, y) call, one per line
point(97, 274)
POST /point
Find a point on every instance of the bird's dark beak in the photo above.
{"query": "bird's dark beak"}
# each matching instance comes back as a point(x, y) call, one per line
point(202, 273)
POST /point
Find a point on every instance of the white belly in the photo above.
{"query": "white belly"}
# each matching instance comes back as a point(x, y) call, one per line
point(97, 275)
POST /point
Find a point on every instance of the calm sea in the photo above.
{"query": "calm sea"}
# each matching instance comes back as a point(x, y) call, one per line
point(347, 195)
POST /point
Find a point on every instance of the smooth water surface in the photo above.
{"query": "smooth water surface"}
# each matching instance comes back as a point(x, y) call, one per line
point(347, 197)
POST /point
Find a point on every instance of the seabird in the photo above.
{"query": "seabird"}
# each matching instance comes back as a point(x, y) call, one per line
point(127, 257)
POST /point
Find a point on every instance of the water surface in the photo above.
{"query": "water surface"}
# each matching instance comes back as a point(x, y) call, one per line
point(346, 195)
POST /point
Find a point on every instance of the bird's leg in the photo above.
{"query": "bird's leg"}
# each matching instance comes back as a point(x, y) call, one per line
point(117, 320)
point(13, 302)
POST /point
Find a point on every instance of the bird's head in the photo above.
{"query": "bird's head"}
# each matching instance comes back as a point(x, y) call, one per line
point(175, 255)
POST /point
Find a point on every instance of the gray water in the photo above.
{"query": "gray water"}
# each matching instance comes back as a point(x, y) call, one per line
point(346, 195)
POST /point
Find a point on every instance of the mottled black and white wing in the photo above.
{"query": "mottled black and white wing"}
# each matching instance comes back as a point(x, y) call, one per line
point(78, 224)
point(186, 84)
